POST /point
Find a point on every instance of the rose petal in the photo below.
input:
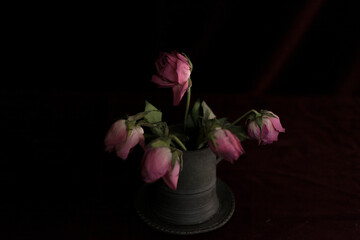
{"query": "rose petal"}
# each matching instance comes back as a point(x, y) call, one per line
point(254, 131)
point(116, 135)
point(277, 125)
point(269, 133)
point(171, 58)
point(161, 82)
point(228, 145)
point(156, 162)
point(180, 56)
point(178, 93)
point(171, 177)
point(123, 150)
point(140, 134)
point(183, 71)
point(169, 73)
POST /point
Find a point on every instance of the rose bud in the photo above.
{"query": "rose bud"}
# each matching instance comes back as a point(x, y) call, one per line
point(156, 164)
point(271, 127)
point(173, 70)
point(119, 139)
point(226, 145)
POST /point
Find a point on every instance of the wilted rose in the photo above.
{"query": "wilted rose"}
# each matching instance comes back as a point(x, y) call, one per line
point(118, 138)
point(156, 164)
point(173, 70)
point(226, 145)
point(271, 127)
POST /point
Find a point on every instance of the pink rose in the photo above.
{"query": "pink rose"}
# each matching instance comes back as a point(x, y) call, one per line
point(270, 129)
point(156, 163)
point(117, 138)
point(227, 146)
point(173, 70)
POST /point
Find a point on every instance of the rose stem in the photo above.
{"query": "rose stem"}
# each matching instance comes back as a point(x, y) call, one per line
point(187, 106)
point(237, 120)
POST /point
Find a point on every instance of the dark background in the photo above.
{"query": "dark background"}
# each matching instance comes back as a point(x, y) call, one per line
point(70, 70)
point(282, 47)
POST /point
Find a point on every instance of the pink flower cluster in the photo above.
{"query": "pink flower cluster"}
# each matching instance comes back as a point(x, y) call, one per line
point(161, 157)
point(156, 162)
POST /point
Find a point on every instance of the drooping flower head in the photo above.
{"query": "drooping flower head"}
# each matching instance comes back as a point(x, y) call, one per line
point(173, 71)
point(225, 145)
point(161, 162)
point(265, 127)
point(121, 139)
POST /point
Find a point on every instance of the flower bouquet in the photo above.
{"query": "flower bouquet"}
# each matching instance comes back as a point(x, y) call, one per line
point(164, 145)
point(190, 199)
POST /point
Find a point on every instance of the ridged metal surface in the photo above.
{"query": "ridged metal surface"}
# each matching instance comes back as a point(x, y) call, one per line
point(223, 214)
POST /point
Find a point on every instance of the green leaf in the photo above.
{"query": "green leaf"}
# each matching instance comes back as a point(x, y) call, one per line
point(195, 112)
point(176, 156)
point(178, 130)
point(130, 125)
point(239, 132)
point(192, 120)
point(153, 114)
point(178, 142)
point(267, 113)
point(213, 141)
point(223, 121)
point(259, 122)
point(160, 142)
point(160, 129)
point(188, 59)
point(211, 124)
point(149, 106)
point(201, 139)
point(190, 124)
point(137, 116)
point(251, 117)
point(157, 131)
point(202, 143)
point(208, 113)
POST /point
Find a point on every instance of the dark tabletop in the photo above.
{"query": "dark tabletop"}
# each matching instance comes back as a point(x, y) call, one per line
point(58, 183)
